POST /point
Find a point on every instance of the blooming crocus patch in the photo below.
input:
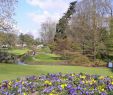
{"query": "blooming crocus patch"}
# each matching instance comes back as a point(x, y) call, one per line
point(59, 84)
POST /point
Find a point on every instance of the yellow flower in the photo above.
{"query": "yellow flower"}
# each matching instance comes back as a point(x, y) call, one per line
point(63, 85)
point(101, 77)
point(83, 81)
point(91, 83)
point(53, 91)
point(10, 83)
point(86, 82)
point(22, 82)
point(72, 75)
point(112, 83)
point(48, 82)
point(25, 94)
point(102, 89)
point(111, 76)
point(83, 77)
point(52, 94)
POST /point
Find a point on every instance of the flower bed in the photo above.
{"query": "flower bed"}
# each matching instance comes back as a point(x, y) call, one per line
point(59, 84)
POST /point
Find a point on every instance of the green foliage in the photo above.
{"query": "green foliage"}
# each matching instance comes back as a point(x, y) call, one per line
point(27, 39)
point(8, 39)
point(52, 46)
point(45, 49)
point(110, 93)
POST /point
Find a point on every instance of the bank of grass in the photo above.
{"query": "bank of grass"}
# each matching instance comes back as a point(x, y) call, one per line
point(44, 58)
point(43, 55)
point(47, 57)
point(18, 51)
point(12, 71)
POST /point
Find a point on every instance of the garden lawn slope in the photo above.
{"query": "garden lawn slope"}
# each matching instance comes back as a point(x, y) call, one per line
point(18, 51)
point(12, 71)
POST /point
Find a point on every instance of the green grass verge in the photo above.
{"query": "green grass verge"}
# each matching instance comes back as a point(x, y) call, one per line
point(44, 57)
point(18, 51)
point(47, 58)
point(12, 71)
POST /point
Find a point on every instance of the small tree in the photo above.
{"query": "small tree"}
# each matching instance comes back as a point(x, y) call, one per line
point(7, 8)
point(48, 29)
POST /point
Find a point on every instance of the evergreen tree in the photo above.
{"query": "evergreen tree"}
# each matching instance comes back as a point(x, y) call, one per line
point(63, 22)
point(61, 36)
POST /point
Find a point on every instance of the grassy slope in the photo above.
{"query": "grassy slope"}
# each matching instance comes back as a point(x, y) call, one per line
point(18, 51)
point(44, 55)
point(47, 58)
point(9, 71)
point(43, 58)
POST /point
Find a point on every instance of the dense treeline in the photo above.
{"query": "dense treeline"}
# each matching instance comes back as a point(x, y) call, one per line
point(86, 29)
point(91, 28)
point(12, 40)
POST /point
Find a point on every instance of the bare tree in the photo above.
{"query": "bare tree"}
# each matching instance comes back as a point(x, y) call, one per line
point(7, 8)
point(48, 29)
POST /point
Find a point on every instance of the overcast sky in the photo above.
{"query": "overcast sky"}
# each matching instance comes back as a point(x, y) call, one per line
point(31, 13)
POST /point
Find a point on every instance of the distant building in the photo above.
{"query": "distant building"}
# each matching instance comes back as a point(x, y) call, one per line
point(20, 45)
point(40, 46)
point(24, 45)
point(4, 46)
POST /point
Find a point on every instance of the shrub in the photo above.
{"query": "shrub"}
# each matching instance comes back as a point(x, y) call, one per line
point(75, 58)
point(7, 57)
point(99, 63)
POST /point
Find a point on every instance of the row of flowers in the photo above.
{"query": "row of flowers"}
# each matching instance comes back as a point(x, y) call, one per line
point(59, 84)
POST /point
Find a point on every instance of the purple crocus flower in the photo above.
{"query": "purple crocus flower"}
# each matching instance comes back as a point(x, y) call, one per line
point(69, 86)
point(60, 88)
point(72, 91)
point(103, 93)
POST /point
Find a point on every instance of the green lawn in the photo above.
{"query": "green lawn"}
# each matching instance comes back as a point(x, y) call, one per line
point(18, 51)
point(47, 58)
point(12, 71)
point(43, 55)
point(43, 58)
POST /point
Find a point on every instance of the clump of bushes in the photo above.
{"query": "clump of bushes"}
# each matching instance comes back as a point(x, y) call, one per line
point(7, 58)
point(75, 58)
point(99, 63)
